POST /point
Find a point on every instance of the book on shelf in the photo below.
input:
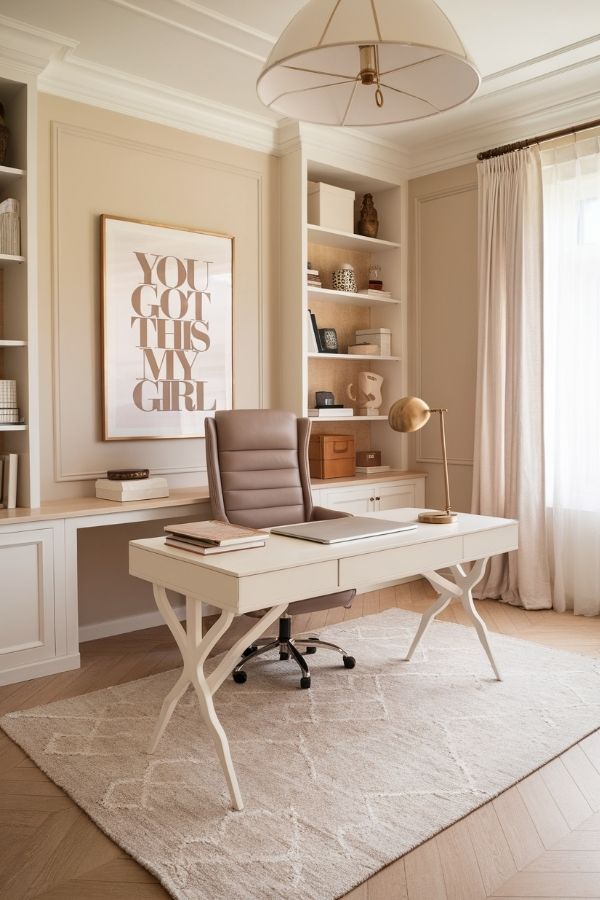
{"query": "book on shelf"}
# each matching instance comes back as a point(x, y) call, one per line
point(330, 412)
point(314, 272)
point(311, 341)
point(8, 483)
point(373, 292)
point(314, 283)
point(211, 549)
point(372, 470)
point(211, 532)
point(313, 319)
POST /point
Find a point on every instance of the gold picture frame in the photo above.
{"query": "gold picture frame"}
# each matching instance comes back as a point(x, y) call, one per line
point(167, 328)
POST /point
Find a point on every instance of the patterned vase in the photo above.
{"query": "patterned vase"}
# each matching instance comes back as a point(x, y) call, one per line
point(344, 279)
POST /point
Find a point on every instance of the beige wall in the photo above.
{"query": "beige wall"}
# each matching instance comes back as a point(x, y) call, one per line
point(443, 324)
point(92, 161)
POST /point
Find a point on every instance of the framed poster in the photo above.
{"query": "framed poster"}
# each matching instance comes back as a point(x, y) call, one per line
point(167, 328)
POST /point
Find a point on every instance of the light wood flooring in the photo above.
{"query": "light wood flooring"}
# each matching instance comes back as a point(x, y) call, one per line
point(539, 839)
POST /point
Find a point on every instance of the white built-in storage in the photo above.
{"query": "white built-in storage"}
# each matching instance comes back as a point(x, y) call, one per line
point(18, 282)
point(303, 371)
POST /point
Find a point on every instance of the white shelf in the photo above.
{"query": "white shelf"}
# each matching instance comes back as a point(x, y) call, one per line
point(13, 427)
point(319, 235)
point(348, 418)
point(7, 260)
point(7, 343)
point(8, 175)
point(357, 356)
point(349, 297)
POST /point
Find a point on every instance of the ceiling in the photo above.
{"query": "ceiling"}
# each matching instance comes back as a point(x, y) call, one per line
point(539, 61)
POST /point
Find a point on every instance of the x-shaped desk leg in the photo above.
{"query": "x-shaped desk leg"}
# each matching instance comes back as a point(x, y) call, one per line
point(194, 652)
point(462, 589)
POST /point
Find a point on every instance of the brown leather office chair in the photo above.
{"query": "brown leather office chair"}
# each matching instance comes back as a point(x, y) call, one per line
point(257, 463)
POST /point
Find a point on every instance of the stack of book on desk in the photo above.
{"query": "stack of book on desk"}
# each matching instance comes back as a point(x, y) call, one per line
point(213, 537)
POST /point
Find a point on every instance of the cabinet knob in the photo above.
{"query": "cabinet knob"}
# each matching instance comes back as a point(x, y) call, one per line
point(378, 498)
point(371, 499)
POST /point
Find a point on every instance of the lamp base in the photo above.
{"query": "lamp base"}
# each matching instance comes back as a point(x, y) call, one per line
point(437, 517)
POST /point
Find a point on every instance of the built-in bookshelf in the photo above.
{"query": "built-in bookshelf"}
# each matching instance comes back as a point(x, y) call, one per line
point(326, 250)
point(18, 303)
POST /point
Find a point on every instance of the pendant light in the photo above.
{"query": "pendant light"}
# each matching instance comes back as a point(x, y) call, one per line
point(367, 62)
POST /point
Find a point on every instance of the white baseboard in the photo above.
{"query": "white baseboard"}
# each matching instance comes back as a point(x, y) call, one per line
point(37, 670)
point(123, 626)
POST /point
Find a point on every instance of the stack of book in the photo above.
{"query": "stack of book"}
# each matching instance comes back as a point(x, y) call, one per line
point(213, 536)
point(314, 278)
point(330, 412)
point(10, 231)
point(377, 292)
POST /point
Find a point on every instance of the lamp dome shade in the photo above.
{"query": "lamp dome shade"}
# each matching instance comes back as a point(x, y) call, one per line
point(312, 72)
point(408, 414)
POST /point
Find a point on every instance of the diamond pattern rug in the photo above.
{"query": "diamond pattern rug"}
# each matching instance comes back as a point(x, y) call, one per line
point(338, 781)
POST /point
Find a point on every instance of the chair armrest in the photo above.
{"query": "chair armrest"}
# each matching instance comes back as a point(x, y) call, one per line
point(320, 512)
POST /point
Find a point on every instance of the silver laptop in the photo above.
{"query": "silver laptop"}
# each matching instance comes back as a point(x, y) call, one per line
point(349, 528)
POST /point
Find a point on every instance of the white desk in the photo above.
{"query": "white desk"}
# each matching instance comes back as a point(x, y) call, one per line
point(287, 570)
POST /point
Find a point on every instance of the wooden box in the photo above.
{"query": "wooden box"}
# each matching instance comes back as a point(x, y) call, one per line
point(368, 458)
point(331, 456)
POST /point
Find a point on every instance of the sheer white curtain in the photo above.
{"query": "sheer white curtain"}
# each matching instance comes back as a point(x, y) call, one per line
point(508, 474)
point(571, 184)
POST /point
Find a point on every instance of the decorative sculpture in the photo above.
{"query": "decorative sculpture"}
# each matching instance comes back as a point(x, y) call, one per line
point(368, 224)
point(368, 395)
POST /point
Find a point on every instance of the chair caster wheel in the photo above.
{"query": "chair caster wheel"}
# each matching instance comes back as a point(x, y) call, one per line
point(283, 655)
point(249, 650)
point(240, 677)
point(311, 650)
point(305, 681)
point(349, 662)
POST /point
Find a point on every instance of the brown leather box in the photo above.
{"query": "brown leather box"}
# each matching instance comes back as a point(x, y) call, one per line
point(368, 457)
point(331, 456)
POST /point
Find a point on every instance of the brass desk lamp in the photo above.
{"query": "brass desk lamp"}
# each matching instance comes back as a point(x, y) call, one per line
point(410, 414)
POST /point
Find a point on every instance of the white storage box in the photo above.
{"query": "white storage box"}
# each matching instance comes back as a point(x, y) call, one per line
point(141, 489)
point(331, 207)
point(382, 337)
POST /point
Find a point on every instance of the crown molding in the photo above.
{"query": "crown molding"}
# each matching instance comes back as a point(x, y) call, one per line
point(96, 85)
point(27, 49)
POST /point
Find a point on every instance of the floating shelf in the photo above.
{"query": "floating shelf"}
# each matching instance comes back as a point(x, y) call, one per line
point(6, 260)
point(350, 298)
point(7, 343)
point(357, 356)
point(8, 175)
point(13, 427)
point(319, 235)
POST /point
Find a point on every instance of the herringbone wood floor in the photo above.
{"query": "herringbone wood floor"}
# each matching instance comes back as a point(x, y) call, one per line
point(541, 838)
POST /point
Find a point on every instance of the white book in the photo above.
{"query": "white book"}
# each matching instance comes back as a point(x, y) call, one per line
point(311, 340)
point(325, 412)
point(9, 480)
point(372, 470)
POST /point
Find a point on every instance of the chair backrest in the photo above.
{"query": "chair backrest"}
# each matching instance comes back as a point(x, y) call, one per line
point(257, 462)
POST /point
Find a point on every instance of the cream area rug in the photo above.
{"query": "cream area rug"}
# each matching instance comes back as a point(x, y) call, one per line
point(338, 780)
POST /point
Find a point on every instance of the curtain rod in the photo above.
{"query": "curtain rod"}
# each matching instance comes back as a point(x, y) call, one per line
point(521, 145)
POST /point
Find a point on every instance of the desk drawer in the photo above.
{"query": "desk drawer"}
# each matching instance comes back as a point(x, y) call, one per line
point(488, 543)
point(399, 562)
point(299, 583)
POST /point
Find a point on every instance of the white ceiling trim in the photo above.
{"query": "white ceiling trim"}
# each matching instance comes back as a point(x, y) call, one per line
point(87, 82)
point(226, 20)
point(195, 32)
point(29, 48)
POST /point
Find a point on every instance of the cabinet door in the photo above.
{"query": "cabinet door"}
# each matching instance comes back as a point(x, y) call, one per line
point(27, 597)
point(353, 500)
point(394, 496)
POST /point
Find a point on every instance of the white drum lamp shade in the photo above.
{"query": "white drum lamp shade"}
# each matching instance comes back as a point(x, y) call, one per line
point(367, 62)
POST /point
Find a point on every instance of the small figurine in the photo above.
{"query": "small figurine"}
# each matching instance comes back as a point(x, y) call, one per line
point(368, 396)
point(368, 224)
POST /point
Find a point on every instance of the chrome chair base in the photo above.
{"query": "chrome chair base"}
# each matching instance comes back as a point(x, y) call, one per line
point(288, 647)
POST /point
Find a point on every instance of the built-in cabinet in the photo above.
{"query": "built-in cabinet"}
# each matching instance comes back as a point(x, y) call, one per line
point(373, 496)
point(18, 282)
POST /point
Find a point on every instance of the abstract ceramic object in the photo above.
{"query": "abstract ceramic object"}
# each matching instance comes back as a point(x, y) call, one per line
point(344, 279)
point(368, 395)
point(368, 224)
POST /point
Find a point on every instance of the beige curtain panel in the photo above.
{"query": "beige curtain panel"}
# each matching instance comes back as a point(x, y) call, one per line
point(508, 476)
